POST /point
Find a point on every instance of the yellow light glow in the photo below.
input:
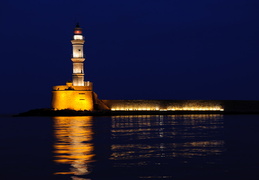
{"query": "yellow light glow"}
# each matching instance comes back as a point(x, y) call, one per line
point(73, 143)
point(175, 108)
point(197, 108)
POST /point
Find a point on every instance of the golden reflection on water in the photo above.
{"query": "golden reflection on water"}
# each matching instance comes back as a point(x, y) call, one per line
point(172, 136)
point(73, 144)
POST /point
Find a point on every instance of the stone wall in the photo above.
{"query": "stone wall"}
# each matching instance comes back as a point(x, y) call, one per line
point(72, 99)
point(184, 105)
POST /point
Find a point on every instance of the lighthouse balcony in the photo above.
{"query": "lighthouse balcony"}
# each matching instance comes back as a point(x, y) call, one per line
point(77, 41)
point(78, 59)
point(88, 86)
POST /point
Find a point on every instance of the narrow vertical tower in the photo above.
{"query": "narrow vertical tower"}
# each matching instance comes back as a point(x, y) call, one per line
point(78, 57)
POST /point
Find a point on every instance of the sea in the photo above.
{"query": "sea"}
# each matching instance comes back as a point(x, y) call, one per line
point(135, 147)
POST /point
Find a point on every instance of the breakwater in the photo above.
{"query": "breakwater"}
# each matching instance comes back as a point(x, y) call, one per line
point(226, 106)
point(155, 107)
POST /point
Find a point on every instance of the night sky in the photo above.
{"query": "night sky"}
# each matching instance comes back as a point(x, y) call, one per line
point(136, 49)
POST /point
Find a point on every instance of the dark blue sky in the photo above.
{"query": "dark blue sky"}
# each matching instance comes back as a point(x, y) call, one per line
point(137, 49)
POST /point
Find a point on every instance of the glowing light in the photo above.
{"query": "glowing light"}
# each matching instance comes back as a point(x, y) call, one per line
point(78, 32)
point(196, 108)
point(78, 37)
point(173, 108)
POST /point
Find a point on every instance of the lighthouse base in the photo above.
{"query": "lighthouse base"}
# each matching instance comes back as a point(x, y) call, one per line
point(73, 97)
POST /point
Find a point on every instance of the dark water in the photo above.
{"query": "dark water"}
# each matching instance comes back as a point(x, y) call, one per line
point(175, 147)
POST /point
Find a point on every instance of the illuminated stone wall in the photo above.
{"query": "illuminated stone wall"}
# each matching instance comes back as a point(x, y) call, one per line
point(228, 106)
point(73, 97)
point(164, 105)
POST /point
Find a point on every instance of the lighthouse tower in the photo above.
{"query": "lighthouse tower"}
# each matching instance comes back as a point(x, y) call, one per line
point(78, 94)
point(78, 57)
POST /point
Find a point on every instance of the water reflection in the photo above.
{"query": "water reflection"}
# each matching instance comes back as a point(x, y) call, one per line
point(73, 145)
point(142, 147)
point(155, 140)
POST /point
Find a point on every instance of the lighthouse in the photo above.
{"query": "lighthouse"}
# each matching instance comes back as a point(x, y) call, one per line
point(78, 57)
point(78, 94)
